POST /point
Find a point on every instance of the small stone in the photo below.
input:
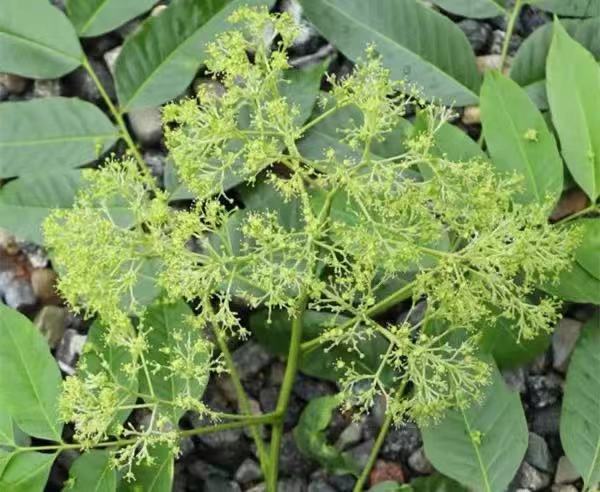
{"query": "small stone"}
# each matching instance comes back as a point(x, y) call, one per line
point(309, 388)
point(544, 390)
point(248, 471)
point(478, 33)
point(110, 57)
point(291, 485)
point(471, 115)
point(79, 83)
point(360, 454)
point(250, 359)
point(51, 322)
point(515, 380)
point(343, 483)
point(37, 256)
point(213, 86)
point(564, 488)
point(291, 460)
point(488, 62)
point(546, 421)
point(384, 471)
point(401, 442)
point(157, 10)
point(69, 350)
point(14, 84)
point(261, 487)
point(350, 436)
point(563, 342)
point(47, 88)
point(215, 484)
point(43, 282)
point(531, 479)
point(540, 364)
point(571, 202)
point(226, 448)
point(3, 93)
point(276, 373)
point(565, 471)
point(538, 453)
point(17, 291)
point(156, 161)
point(146, 124)
point(419, 462)
point(320, 485)
point(202, 471)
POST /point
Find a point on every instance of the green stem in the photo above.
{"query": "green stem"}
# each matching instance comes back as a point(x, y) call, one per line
point(252, 421)
point(509, 31)
point(382, 306)
point(364, 476)
point(285, 393)
point(243, 402)
point(117, 115)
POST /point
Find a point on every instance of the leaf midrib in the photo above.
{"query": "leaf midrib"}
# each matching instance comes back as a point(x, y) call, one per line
point(158, 67)
point(25, 39)
point(33, 387)
point(58, 139)
point(401, 47)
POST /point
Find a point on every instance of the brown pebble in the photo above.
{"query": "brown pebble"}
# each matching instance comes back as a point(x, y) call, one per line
point(386, 470)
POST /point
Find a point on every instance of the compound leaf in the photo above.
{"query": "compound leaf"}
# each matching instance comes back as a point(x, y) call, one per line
point(26, 472)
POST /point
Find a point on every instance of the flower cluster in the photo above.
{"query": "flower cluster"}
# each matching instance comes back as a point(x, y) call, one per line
point(348, 229)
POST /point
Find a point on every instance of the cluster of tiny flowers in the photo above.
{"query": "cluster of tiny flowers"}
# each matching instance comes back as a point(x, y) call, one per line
point(352, 228)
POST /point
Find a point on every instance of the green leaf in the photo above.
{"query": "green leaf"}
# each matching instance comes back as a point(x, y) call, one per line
point(155, 478)
point(572, 8)
point(301, 86)
point(165, 321)
point(26, 472)
point(415, 42)
point(500, 340)
point(580, 418)
point(37, 40)
point(449, 141)
point(481, 446)
point(92, 472)
point(311, 436)
point(519, 140)
point(30, 384)
point(588, 252)
point(50, 134)
point(275, 337)
point(7, 434)
point(528, 68)
point(99, 357)
point(95, 17)
point(575, 284)
point(474, 9)
point(573, 79)
point(160, 60)
point(27, 201)
point(327, 133)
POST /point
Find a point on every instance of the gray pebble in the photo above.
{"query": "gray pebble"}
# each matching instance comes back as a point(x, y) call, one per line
point(538, 453)
point(248, 471)
point(564, 339)
point(565, 471)
point(146, 124)
point(215, 484)
point(14, 84)
point(250, 359)
point(531, 479)
point(419, 462)
point(320, 485)
point(69, 350)
point(478, 33)
point(544, 390)
point(47, 88)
